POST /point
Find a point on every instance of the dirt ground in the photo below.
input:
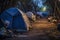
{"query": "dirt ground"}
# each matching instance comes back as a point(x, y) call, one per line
point(41, 30)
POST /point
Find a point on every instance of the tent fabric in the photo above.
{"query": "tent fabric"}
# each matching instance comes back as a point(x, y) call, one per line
point(31, 15)
point(25, 19)
point(15, 19)
point(43, 14)
point(12, 12)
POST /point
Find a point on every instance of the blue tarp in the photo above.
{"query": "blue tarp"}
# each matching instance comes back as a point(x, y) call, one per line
point(43, 14)
point(14, 20)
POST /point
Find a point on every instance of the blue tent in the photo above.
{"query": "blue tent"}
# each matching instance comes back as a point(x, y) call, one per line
point(13, 20)
point(43, 14)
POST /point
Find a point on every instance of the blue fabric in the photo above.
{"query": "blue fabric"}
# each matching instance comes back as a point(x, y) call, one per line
point(15, 18)
point(43, 14)
point(12, 11)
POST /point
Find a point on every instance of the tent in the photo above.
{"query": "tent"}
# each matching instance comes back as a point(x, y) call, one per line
point(15, 20)
point(43, 14)
point(31, 16)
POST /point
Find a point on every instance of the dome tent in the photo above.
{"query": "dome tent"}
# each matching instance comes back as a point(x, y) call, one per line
point(31, 16)
point(15, 20)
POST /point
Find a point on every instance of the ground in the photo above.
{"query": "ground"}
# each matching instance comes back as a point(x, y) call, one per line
point(41, 30)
